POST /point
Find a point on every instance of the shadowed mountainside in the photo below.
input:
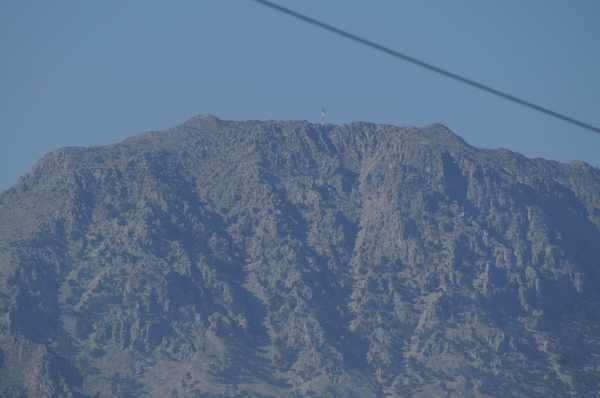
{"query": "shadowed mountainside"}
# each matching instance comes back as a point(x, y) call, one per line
point(288, 259)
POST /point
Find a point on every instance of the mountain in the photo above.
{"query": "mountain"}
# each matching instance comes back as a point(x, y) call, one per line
point(289, 259)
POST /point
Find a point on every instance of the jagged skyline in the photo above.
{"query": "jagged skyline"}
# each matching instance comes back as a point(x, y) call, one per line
point(90, 74)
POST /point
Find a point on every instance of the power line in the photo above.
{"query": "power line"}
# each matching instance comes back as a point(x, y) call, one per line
point(428, 66)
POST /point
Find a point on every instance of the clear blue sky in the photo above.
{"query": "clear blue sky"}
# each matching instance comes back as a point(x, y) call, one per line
point(89, 73)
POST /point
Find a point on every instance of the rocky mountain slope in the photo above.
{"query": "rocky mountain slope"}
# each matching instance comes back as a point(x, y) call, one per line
point(288, 259)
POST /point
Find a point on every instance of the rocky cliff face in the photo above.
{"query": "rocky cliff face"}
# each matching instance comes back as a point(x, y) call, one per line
point(274, 259)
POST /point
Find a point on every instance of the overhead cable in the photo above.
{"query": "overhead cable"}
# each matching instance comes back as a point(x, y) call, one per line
point(397, 54)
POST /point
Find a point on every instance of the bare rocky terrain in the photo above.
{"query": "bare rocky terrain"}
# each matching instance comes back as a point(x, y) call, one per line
point(289, 259)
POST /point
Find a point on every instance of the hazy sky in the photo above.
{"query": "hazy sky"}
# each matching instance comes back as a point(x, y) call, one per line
point(89, 73)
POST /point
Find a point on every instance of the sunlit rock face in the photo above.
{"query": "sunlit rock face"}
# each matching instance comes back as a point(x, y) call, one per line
point(288, 259)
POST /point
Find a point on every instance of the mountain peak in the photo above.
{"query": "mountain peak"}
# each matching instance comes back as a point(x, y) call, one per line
point(203, 119)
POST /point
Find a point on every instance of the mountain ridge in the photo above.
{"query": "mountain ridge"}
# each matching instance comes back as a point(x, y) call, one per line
point(224, 259)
